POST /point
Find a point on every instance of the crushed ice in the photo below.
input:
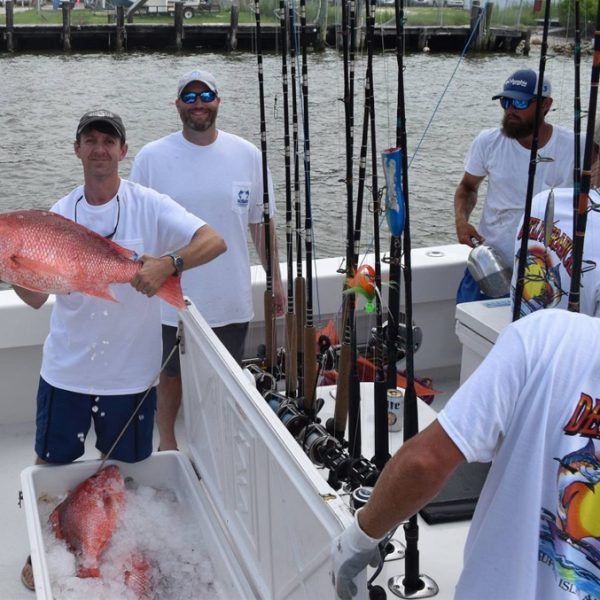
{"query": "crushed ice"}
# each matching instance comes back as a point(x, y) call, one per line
point(154, 523)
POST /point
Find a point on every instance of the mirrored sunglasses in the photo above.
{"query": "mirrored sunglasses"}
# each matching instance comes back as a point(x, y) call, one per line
point(515, 103)
point(206, 96)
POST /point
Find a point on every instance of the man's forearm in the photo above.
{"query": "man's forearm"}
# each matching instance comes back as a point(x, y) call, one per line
point(205, 245)
point(411, 478)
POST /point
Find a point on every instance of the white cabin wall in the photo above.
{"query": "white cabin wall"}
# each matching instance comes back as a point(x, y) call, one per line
point(436, 273)
point(23, 331)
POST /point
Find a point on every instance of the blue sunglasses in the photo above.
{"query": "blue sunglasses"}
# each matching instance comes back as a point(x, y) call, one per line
point(205, 97)
point(515, 103)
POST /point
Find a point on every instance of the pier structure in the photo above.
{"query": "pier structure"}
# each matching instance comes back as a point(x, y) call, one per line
point(119, 35)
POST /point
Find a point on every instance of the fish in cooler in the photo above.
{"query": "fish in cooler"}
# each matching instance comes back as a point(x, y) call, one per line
point(87, 518)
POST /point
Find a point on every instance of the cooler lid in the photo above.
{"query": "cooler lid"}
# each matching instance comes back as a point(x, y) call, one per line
point(487, 318)
point(280, 515)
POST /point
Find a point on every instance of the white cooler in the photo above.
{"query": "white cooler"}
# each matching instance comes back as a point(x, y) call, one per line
point(478, 325)
point(268, 515)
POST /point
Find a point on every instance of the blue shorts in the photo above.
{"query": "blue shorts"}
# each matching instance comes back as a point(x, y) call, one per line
point(468, 290)
point(64, 418)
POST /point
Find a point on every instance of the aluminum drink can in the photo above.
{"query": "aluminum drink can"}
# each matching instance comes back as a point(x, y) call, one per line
point(395, 399)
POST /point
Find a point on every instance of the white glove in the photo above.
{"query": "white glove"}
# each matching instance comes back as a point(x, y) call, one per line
point(351, 552)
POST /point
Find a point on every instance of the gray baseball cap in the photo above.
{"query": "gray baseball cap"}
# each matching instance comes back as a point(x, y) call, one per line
point(102, 116)
point(197, 75)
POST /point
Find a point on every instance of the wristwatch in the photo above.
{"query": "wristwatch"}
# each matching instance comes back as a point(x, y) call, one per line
point(177, 263)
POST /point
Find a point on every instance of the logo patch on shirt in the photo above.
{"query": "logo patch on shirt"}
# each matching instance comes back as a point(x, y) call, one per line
point(242, 198)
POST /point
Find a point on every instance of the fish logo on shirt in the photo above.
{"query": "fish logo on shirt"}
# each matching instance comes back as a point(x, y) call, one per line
point(570, 537)
point(541, 281)
point(579, 493)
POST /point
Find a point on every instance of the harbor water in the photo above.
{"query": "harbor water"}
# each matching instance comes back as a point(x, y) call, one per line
point(448, 101)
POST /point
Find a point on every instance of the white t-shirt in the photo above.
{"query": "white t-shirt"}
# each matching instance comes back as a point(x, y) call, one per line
point(100, 347)
point(548, 271)
point(532, 408)
point(222, 183)
point(505, 163)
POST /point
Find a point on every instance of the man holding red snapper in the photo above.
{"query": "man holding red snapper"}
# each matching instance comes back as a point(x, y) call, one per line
point(100, 358)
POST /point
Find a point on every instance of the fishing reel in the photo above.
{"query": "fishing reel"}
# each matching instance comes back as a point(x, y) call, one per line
point(401, 338)
point(323, 449)
point(328, 353)
point(288, 412)
point(263, 380)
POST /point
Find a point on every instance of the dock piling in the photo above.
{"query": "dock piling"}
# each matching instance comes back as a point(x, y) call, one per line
point(233, 28)
point(178, 25)
point(66, 25)
point(120, 39)
point(10, 26)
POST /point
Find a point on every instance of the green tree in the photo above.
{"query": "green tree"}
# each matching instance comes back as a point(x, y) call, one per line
point(587, 11)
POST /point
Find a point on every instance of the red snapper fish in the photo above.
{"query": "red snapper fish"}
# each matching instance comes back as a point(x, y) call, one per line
point(45, 252)
point(87, 518)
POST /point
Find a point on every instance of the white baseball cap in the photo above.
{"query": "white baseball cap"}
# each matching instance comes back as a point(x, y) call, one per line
point(197, 75)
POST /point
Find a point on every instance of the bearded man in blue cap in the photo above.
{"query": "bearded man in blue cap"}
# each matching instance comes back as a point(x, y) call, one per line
point(502, 154)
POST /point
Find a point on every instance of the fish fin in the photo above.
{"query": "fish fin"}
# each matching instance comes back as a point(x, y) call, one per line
point(170, 291)
point(102, 293)
point(35, 266)
point(27, 264)
point(124, 251)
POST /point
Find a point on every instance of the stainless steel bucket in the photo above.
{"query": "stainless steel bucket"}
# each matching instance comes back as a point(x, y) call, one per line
point(486, 268)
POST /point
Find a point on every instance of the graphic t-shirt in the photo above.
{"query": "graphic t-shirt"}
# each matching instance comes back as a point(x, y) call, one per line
point(547, 274)
point(533, 408)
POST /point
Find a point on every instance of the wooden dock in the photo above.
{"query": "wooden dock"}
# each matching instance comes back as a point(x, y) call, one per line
point(121, 36)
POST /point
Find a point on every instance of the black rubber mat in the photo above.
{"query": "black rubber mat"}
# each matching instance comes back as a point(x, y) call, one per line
point(457, 500)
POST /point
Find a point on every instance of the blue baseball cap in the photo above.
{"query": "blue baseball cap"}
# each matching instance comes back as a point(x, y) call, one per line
point(522, 85)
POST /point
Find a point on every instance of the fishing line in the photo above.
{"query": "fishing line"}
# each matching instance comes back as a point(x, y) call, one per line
point(139, 404)
point(445, 90)
point(465, 49)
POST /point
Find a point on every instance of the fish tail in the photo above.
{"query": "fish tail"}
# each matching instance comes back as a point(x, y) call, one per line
point(170, 291)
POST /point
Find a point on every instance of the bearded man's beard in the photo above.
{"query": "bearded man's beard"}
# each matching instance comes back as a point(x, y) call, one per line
point(516, 129)
point(195, 125)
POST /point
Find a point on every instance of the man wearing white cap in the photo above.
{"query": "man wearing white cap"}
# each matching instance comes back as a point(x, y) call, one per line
point(502, 154)
point(217, 176)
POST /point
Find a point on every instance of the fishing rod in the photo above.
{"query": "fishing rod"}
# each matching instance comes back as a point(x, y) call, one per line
point(347, 403)
point(533, 160)
point(299, 282)
point(380, 410)
point(577, 113)
point(354, 425)
point(337, 426)
point(414, 583)
point(580, 221)
point(291, 358)
point(310, 343)
point(269, 298)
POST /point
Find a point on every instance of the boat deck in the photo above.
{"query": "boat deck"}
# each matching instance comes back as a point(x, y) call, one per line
point(16, 453)
point(440, 545)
